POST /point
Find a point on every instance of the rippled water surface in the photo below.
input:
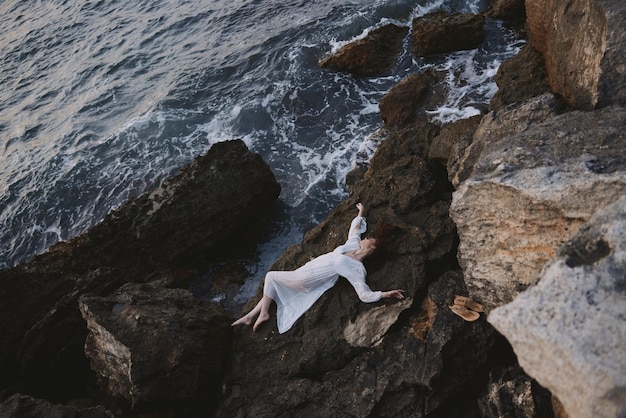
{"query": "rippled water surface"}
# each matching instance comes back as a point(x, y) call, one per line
point(101, 100)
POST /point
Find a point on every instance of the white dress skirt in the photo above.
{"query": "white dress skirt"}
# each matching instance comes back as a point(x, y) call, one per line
point(296, 291)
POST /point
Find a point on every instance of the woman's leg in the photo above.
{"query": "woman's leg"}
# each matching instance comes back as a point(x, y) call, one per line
point(264, 311)
point(247, 318)
point(261, 309)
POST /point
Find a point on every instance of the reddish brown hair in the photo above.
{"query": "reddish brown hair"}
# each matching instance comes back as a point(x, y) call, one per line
point(388, 238)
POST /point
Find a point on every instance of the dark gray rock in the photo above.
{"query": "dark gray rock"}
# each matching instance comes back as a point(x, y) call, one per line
point(508, 10)
point(520, 78)
point(201, 209)
point(440, 32)
point(452, 139)
point(374, 55)
point(391, 358)
point(154, 345)
point(399, 107)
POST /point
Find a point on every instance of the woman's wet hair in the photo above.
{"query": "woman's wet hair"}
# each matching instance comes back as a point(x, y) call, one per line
point(388, 239)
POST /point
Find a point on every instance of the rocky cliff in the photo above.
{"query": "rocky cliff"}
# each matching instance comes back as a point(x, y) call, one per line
point(521, 209)
point(539, 209)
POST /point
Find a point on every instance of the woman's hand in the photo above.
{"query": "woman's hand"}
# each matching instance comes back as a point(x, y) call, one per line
point(398, 294)
point(361, 208)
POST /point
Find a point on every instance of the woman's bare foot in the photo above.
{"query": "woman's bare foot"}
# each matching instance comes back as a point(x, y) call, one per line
point(262, 318)
point(244, 320)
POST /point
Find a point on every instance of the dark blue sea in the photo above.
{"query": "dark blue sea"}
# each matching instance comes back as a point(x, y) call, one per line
point(101, 100)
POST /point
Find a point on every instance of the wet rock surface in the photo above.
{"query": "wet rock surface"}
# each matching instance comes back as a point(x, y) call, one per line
point(399, 107)
point(374, 55)
point(441, 32)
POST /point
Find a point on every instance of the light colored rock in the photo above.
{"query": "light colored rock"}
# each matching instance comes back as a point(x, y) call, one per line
point(530, 188)
point(569, 330)
point(493, 126)
point(370, 326)
point(583, 46)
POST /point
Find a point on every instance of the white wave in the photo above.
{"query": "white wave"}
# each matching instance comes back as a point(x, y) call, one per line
point(336, 45)
point(421, 9)
point(459, 6)
point(470, 80)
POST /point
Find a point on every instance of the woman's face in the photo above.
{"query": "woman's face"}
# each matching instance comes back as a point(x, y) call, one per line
point(368, 244)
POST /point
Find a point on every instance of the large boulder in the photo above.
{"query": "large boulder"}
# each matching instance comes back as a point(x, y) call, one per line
point(469, 146)
point(520, 78)
point(452, 138)
point(535, 178)
point(583, 45)
point(150, 344)
point(373, 55)
point(568, 331)
point(207, 205)
point(399, 106)
point(440, 32)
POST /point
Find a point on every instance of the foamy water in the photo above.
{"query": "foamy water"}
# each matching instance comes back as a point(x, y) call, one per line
point(100, 102)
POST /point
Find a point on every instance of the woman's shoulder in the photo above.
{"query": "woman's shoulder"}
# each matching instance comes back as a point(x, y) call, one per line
point(349, 262)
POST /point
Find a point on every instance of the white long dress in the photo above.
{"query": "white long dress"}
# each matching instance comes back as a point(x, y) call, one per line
point(296, 291)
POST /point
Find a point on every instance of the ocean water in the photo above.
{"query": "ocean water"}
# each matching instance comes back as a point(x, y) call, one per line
point(101, 100)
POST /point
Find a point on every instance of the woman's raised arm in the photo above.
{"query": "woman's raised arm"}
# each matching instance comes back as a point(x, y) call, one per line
point(361, 209)
point(358, 225)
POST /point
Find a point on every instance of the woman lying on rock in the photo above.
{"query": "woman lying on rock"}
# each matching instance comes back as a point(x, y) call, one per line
point(296, 291)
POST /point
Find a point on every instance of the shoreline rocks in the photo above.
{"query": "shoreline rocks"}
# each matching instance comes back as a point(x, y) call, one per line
point(211, 201)
point(441, 32)
point(520, 78)
point(551, 281)
point(399, 106)
point(351, 358)
point(435, 33)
